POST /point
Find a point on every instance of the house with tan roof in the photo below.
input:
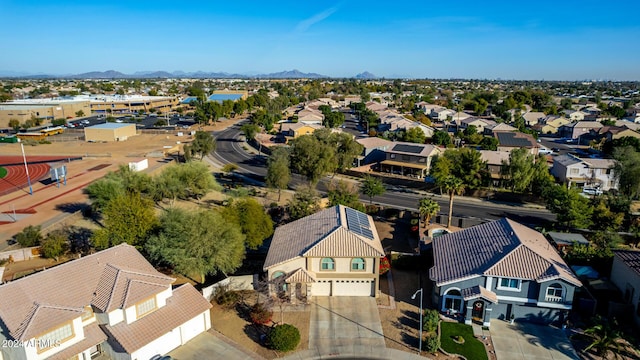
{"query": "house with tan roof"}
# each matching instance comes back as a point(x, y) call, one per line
point(441, 114)
point(290, 131)
point(551, 123)
point(582, 172)
point(510, 140)
point(334, 252)
point(532, 117)
point(310, 116)
point(479, 123)
point(489, 130)
point(501, 270)
point(112, 303)
point(577, 129)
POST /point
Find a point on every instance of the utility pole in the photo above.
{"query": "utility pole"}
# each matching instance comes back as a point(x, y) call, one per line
point(26, 168)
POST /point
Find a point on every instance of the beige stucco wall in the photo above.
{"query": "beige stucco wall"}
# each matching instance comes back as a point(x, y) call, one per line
point(118, 134)
point(23, 112)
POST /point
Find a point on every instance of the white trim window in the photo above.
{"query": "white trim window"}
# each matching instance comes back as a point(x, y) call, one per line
point(357, 264)
point(509, 284)
point(554, 293)
point(327, 264)
point(146, 306)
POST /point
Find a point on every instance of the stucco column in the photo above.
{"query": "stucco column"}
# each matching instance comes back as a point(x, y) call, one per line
point(467, 315)
point(487, 316)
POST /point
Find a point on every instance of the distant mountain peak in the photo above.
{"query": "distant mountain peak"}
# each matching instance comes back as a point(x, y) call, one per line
point(366, 75)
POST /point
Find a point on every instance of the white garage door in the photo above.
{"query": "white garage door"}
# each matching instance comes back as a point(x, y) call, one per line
point(353, 287)
point(192, 328)
point(321, 288)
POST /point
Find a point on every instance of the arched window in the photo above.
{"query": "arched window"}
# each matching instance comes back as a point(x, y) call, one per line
point(357, 264)
point(554, 291)
point(327, 264)
point(278, 281)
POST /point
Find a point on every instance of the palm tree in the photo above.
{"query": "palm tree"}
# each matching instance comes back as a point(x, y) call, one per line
point(607, 340)
point(428, 208)
point(453, 186)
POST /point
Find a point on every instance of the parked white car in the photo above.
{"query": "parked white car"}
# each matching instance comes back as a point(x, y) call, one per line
point(591, 191)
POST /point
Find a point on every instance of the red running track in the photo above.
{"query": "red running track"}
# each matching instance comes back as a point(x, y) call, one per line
point(16, 177)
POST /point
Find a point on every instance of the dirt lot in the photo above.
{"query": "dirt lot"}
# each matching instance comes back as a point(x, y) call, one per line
point(49, 204)
point(235, 324)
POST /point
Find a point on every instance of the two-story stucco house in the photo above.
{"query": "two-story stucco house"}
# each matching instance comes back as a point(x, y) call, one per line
point(575, 171)
point(334, 252)
point(112, 303)
point(409, 159)
point(501, 269)
point(625, 274)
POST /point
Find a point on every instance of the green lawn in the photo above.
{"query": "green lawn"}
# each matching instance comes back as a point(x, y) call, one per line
point(3, 172)
point(472, 348)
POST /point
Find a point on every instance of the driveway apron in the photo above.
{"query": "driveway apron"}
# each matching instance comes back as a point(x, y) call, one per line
point(529, 341)
point(345, 325)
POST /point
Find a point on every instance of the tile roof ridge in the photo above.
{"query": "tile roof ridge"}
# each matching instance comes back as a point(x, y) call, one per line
point(64, 265)
point(130, 283)
point(113, 285)
point(31, 315)
point(124, 269)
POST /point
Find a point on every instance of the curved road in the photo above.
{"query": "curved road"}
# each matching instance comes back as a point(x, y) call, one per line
point(230, 150)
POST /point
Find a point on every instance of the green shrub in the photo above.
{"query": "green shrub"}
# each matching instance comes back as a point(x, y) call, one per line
point(430, 320)
point(29, 236)
point(225, 297)
point(284, 337)
point(260, 314)
point(432, 343)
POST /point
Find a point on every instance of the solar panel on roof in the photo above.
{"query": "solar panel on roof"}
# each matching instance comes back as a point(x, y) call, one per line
point(413, 149)
point(358, 223)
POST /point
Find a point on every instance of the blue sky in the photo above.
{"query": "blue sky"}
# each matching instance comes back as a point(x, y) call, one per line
point(545, 40)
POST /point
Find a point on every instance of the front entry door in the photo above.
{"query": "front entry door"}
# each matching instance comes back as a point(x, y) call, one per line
point(478, 311)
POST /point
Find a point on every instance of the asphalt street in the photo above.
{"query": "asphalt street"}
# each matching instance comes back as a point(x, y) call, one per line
point(229, 149)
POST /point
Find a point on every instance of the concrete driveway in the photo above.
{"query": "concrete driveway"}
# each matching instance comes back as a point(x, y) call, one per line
point(211, 345)
point(528, 342)
point(345, 326)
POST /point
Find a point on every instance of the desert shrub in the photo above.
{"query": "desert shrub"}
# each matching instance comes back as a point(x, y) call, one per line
point(432, 343)
point(284, 337)
point(55, 245)
point(260, 314)
point(225, 297)
point(29, 236)
point(3, 262)
point(430, 320)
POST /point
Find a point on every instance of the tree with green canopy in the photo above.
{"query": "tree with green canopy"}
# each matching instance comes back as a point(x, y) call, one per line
point(371, 187)
point(278, 171)
point(254, 222)
point(127, 218)
point(198, 243)
point(453, 186)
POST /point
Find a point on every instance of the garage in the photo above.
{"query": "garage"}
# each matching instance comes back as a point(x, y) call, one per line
point(321, 288)
point(362, 287)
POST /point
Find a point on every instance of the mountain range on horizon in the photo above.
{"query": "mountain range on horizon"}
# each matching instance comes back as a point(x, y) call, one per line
point(113, 74)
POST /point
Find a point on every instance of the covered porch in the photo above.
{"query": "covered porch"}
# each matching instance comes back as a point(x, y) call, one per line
point(479, 303)
point(405, 169)
point(295, 286)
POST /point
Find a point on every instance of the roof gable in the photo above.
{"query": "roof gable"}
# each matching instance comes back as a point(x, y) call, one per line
point(43, 318)
point(70, 285)
point(325, 233)
point(344, 243)
point(498, 248)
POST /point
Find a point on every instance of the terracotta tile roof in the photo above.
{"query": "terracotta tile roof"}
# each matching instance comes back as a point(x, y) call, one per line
point(374, 142)
point(631, 258)
point(324, 233)
point(70, 285)
point(498, 248)
point(185, 304)
point(477, 291)
point(120, 286)
point(300, 276)
point(92, 336)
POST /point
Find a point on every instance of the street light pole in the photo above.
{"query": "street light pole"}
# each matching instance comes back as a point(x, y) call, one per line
point(26, 169)
point(413, 298)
